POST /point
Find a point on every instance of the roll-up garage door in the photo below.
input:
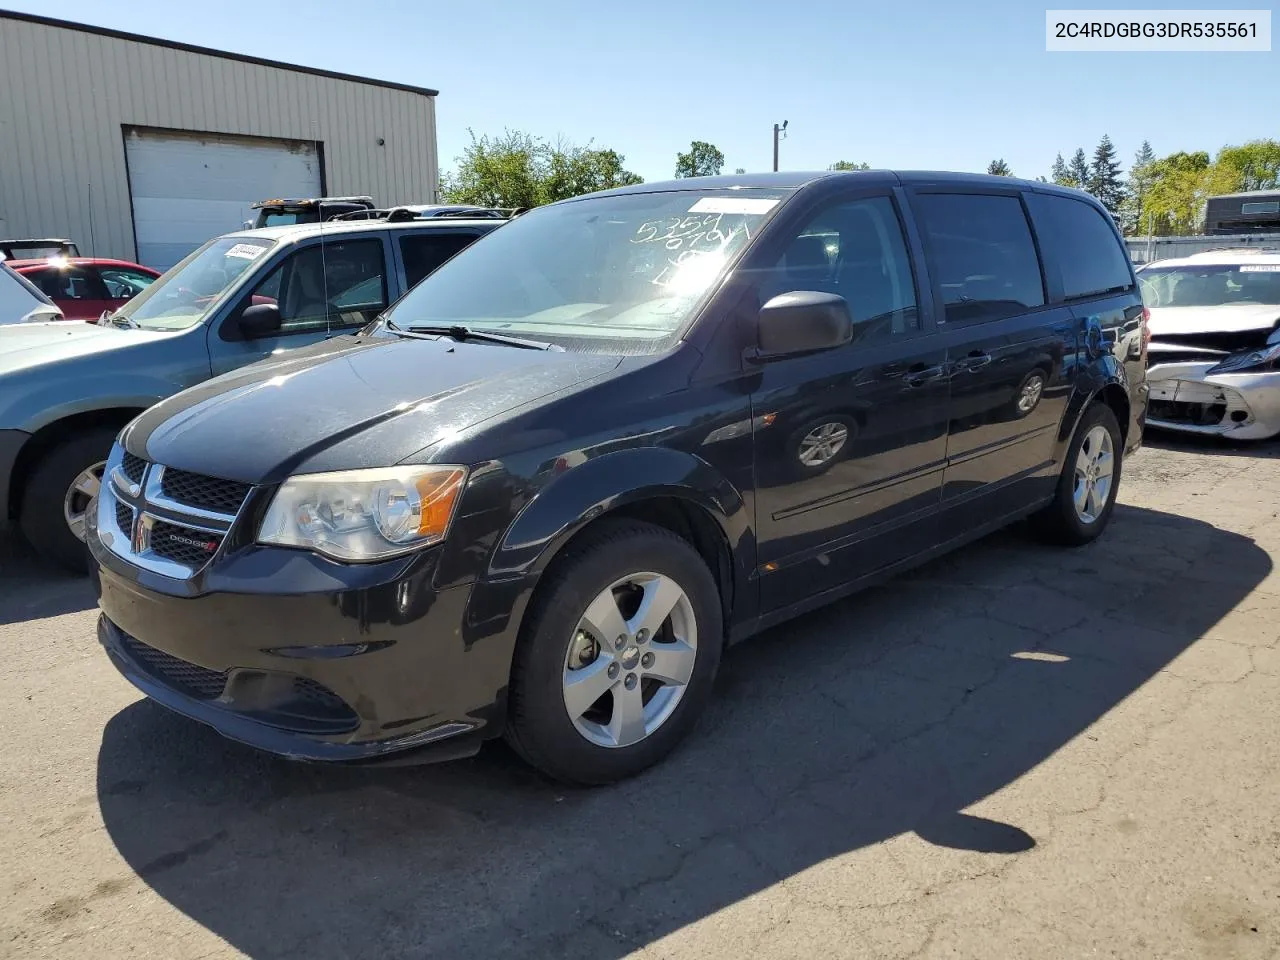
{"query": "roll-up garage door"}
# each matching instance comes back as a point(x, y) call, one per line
point(188, 187)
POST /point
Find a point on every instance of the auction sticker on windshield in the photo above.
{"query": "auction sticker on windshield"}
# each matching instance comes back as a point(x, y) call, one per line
point(1260, 268)
point(733, 205)
point(246, 251)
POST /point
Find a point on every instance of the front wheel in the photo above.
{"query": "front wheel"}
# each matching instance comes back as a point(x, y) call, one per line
point(58, 495)
point(617, 657)
point(1086, 491)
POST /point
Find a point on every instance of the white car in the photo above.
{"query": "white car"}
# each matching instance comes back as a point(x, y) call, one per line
point(1214, 359)
point(22, 302)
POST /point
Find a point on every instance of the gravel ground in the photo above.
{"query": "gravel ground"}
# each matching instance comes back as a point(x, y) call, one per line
point(1014, 752)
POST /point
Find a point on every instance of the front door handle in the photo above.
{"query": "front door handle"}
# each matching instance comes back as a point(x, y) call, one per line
point(976, 360)
point(920, 374)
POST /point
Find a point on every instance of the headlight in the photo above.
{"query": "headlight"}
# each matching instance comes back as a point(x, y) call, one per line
point(1264, 358)
point(364, 514)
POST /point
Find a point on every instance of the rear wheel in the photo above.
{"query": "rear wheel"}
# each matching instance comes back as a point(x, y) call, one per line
point(618, 655)
point(58, 494)
point(1086, 491)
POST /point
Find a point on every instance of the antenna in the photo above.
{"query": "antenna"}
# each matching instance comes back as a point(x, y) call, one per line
point(93, 246)
point(324, 263)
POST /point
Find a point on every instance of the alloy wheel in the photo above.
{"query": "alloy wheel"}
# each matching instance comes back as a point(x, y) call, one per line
point(630, 660)
point(75, 503)
point(1095, 470)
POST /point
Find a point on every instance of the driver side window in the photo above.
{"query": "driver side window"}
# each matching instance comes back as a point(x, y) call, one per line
point(339, 286)
point(855, 249)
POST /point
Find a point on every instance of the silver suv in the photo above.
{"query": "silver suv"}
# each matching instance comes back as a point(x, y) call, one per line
point(67, 389)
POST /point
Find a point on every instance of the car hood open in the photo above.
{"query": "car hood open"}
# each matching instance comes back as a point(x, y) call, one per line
point(349, 402)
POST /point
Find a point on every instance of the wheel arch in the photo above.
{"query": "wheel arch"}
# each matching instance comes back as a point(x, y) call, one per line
point(668, 488)
point(54, 432)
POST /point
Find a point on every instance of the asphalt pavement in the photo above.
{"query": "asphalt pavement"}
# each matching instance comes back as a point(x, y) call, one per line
point(1015, 751)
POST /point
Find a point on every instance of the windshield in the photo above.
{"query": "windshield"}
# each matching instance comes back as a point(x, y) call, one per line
point(186, 293)
point(615, 273)
point(1211, 285)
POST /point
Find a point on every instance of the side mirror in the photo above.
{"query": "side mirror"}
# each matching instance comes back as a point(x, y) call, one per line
point(260, 320)
point(803, 321)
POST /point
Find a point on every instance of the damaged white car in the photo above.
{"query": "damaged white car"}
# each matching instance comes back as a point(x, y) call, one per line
point(1214, 356)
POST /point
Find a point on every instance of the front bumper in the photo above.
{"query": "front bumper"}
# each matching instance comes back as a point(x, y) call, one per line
point(290, 653)
point(1185, 397)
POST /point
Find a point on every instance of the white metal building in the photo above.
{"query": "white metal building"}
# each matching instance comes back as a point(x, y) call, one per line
point(140, 148)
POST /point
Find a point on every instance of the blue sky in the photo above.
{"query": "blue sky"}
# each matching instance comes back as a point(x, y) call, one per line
point(935, 85)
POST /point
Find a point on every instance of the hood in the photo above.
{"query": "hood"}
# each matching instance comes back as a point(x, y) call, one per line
point(1225, 318)
point(27, 345)
point(349, 402)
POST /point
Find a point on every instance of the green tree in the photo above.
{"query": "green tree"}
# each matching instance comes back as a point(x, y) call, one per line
point(572, 171)
point(1253, 166)
point(498, 171)
point(1061, 175)
point(739, 170)
point(998, 168)
point(702, 160)
point(1175, 197)
point(517, 169)
point(1104, 177)
point(1078, 169)
point(1134, 217)
point(849, 165)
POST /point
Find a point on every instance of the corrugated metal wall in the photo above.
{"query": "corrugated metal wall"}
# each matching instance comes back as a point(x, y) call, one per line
point(67, 95)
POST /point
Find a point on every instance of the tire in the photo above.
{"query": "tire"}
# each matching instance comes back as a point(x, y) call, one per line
point(540, 726)
point(1061, 522)
point(41, 517)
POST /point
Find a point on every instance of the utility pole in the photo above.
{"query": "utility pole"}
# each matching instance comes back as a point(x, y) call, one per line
point(779, 132)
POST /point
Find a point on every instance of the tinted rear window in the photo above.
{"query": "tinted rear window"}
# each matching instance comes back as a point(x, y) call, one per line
point(1076, 236)
point(981, 251)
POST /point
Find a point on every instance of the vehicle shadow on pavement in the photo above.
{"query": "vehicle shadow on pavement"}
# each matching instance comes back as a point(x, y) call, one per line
point(887, 714)
point(1212, 446)
point(34, 589)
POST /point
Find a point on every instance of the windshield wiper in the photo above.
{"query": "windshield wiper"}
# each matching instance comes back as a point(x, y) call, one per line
point(463, 334)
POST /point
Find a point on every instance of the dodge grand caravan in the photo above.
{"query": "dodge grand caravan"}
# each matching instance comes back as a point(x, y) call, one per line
point(538, 496)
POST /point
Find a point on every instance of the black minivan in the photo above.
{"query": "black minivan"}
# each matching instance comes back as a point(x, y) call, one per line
point(541, 493)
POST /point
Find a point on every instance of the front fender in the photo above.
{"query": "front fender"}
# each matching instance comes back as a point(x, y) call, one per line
point(49, 403)
point(606, 483)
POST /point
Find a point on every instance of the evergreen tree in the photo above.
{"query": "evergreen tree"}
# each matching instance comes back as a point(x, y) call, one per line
point(1060, 174)
point(1078, 170)
point(1104, 178)
point(998, 168)
point(1141, 174)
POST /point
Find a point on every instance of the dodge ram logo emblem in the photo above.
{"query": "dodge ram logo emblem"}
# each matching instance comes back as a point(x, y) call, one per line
point(141, 539)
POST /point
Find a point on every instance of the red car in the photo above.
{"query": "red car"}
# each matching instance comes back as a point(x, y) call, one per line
point(83, 287)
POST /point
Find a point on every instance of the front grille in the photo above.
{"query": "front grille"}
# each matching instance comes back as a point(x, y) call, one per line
point(1156, 356)
point(124, 518)
point(183, 545)
point(1193, 414)
point(133, 467)
point(198, 682)
point(206, 493)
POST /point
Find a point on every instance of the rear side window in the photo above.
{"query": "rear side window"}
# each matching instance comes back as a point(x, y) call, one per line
point(69, 283)
point(1077, 237)
point(981, 251)
point(424, 252)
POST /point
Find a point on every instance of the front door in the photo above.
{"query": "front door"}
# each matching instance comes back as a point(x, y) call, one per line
point(849, 443)
point(1008, 351)
point(323, 290)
